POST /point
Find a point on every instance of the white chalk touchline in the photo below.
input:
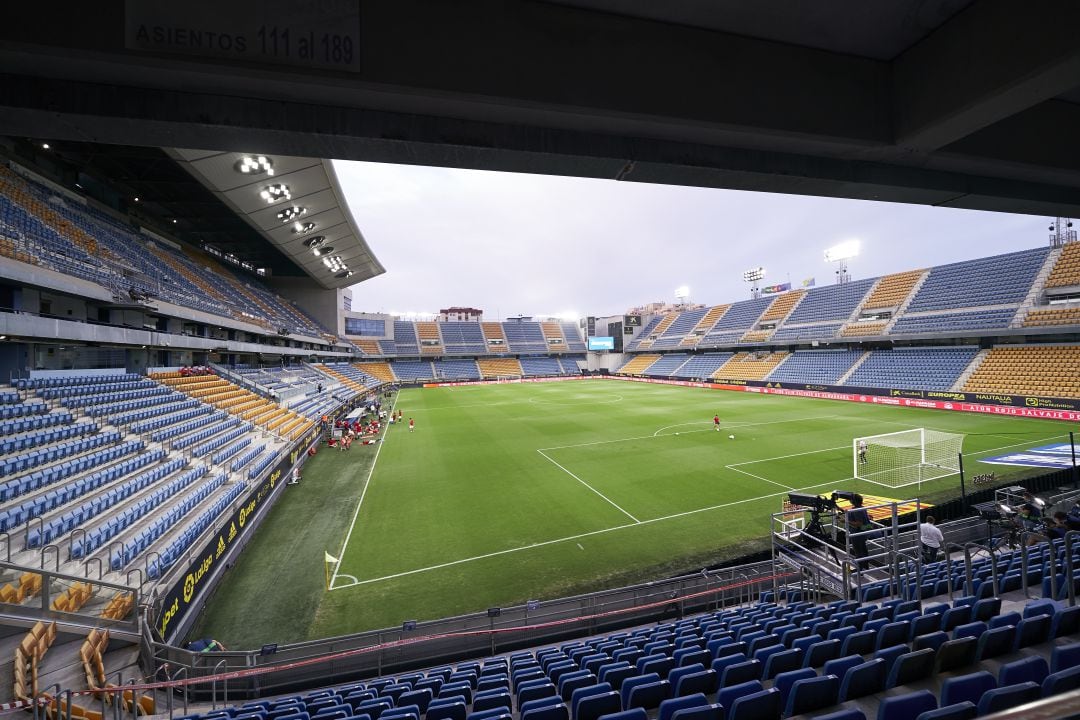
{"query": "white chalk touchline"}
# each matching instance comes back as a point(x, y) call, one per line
point(578, 537)
point(363, 493)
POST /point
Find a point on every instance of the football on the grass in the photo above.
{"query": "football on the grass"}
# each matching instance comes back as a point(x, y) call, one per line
point(731, 437)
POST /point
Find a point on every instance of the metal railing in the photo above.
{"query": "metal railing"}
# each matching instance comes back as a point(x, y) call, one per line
point(479, 634)
point(53, 584)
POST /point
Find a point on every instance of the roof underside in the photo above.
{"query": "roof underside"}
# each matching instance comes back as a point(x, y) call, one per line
point(200, 198)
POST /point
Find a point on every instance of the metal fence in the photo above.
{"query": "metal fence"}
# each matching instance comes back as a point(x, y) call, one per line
point(285, 668)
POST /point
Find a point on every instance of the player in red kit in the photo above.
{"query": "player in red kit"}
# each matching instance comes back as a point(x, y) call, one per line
point(716, 422)
point(412, 424)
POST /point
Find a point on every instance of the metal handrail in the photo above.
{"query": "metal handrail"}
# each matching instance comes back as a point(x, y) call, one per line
point(44, 552)
point(1024, 561)
point(1070, 565)
point(100, 567)
point(36, 709)
point(40, 521)
point(225, 685)
point(180, 672)
point(901, 556)
point(969, 576)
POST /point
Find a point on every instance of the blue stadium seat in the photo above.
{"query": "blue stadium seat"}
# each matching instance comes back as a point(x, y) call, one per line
point(969, 687)
point(864, 679)
point(958, 711)
point(764, 704)
point(906, 707)
point(1003, 698)
point(809, 694)
point(671, 706)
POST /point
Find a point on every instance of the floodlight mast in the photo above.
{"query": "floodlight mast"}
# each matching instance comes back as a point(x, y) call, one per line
point(682, 293)
point(1061, 232)
point(754, 276)
point(840, 254)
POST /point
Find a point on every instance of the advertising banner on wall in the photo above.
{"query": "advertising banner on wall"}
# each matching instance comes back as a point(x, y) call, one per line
point(994, 403)
point(179, 600)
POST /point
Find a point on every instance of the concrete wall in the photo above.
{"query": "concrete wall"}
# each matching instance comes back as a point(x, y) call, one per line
point(321, 304)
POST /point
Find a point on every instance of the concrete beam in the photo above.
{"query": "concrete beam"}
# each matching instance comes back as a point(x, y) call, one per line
point(994, 59)
point(77, 111)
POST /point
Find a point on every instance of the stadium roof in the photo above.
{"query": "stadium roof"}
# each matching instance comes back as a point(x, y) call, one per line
point(202, 198)
point(293, 202)
point(956, 103)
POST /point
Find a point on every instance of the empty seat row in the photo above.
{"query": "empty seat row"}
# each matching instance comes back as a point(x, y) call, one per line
point(175, 550)
point(105, 531)
point(163, 523)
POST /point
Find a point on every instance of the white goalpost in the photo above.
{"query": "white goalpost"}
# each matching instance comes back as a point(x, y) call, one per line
point(907, 457)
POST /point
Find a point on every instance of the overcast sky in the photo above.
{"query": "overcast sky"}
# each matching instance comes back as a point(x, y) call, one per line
point(514, 244)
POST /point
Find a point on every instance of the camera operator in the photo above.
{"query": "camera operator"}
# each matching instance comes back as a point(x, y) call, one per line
point(1057, 526)
point(1028, 520)
point(858, 520)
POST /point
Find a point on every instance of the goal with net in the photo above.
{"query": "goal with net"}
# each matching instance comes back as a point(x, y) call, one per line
point(907, 457)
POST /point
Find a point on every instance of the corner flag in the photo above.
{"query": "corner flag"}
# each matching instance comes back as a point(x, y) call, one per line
point(327, 560)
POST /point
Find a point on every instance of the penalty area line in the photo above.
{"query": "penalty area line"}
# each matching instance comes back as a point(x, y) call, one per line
point(602, 495)
point(574, 538)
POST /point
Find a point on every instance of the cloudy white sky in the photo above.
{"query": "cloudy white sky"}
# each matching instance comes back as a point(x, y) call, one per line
point(529, 244)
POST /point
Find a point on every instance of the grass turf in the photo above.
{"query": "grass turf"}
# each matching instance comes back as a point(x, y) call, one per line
point(510, 492)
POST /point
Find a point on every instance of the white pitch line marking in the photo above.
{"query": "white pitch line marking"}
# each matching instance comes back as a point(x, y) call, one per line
point(782, 457)
point(729, 425)
point(580, 547)
point(772, 482)
point(581, 536)
point(356, 513)
point(605, 497)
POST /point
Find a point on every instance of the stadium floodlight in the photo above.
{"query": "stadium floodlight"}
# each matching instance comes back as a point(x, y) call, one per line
point(314, 242)
point(682, 292)
point(569, 316)
point(255, 165)
point(275, 193)
point(291, 213)
point(844, 251)
point(753, 275)
point(840, 254)
point(303, 228)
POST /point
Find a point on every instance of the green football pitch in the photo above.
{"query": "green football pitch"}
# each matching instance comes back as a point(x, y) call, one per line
point(510, 492)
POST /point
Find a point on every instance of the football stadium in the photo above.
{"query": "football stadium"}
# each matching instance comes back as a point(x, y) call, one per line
point(233, 487)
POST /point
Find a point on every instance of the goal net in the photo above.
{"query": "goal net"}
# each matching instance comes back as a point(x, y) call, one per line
point(907, 457)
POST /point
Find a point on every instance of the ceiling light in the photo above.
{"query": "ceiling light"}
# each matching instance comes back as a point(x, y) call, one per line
point(334, 264)
point(319, 251)
point(44, 146)
point(275, 193)
point(136, 198)
point(315, 242)
point(303, 228)
point(344, 274)
point(291, 213)
point(174, 221)
point(255, 165)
